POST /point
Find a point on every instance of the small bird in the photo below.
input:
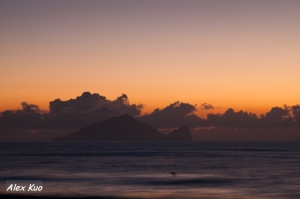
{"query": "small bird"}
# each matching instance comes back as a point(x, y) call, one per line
point(173, 173)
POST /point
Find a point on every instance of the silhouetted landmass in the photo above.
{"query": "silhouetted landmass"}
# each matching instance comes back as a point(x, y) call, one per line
point(90, 108)
point(125, 128)
point(30, 123)
point(180, 134)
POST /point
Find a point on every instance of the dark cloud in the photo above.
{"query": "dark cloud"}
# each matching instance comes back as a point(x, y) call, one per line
point(206, 106)
point(30, 115)
point(69, 110)
point(71, 114)
point(296, 114)
point(88, 102)
point(122, 104)
point(84, 102)
point(123, 99)
point(233, 119)
point(277, 116)
point(174, 115)
point(30, 108)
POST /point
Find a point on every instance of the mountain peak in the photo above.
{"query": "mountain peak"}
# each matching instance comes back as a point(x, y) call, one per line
point(184, 128)
point(125, 128)
point(180, 134)
point(126, 116)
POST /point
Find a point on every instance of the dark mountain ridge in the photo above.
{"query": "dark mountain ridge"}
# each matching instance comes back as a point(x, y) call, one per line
point(125, 128)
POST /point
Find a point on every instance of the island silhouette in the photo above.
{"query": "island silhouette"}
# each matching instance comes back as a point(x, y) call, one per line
point(125, 128)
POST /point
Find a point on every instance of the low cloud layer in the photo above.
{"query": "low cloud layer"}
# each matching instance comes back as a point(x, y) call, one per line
point(71, 114)
point(206, 106)
point(88, 102)
point(88, 108)
point(174, 115)
point(276, 117)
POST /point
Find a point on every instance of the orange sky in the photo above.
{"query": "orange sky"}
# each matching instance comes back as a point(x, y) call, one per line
point(238, 54)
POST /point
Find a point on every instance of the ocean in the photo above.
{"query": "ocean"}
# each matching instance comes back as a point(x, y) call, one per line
point(218, 170)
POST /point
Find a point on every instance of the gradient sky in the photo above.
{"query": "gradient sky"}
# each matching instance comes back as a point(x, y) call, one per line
point(239, 54)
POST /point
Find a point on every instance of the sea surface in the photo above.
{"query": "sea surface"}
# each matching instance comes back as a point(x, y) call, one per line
point(156, 169)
